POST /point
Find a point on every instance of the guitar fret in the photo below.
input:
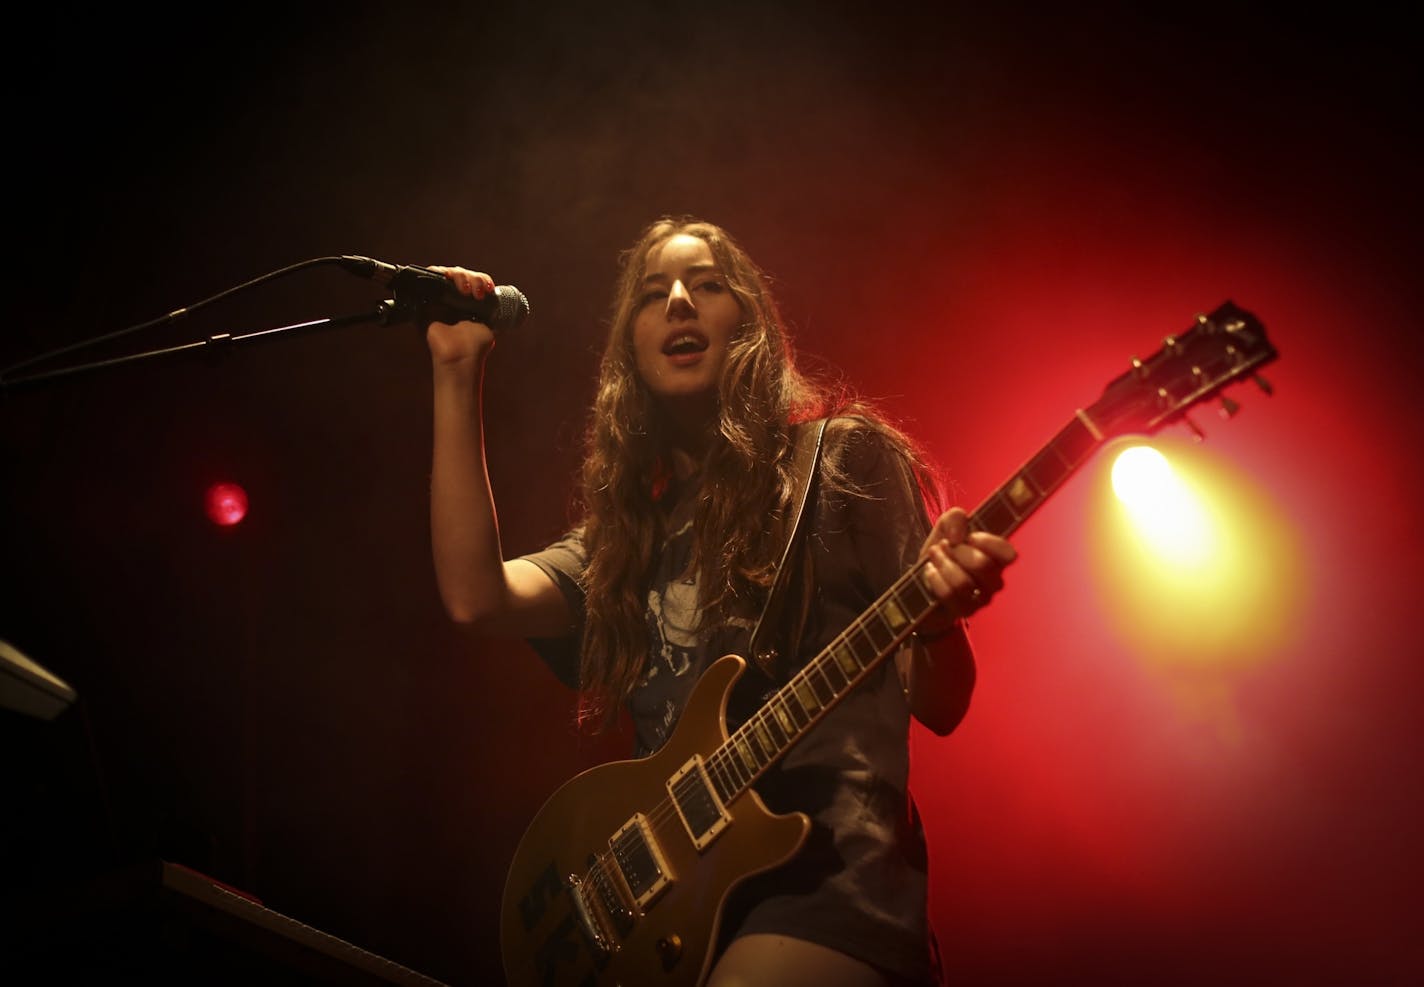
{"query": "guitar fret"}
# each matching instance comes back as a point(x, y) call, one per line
point(795, 712)
point(820, 684)
point(750, 741)
point(1006, 508)
point(914, 596)
point(876, 630)
point(1075, 442)
point(769, 732)
point(748, 759)
point(806, 696)
point(730, 770)
point(715, 776)
point(720, 782)
point(764, 737)
point(893, 613)
point(778, 732)
point(995, 515)
point(805, 714)
point(783, 717)
point(1020, 495)
point(864, 645)
point(845, 658)
point(729, 766)
point(1046, 470)
point(745, 768)
point(830, 671)
point(744, 771)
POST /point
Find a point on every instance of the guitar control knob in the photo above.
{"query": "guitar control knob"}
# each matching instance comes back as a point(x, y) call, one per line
point(670, 949)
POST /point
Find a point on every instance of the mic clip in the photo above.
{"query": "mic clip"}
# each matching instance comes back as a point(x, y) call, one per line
point(418, 295)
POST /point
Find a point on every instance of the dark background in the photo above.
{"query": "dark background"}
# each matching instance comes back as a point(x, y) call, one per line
point(976, 216)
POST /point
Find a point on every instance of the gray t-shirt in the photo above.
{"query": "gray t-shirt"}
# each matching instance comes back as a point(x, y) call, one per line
point(859, 884)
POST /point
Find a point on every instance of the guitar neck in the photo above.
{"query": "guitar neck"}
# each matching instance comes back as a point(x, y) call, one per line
point(1005, 509)
point(774, 729)
point(1219, 349)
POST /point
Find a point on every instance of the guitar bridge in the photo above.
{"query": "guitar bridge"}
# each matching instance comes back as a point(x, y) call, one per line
point(598, 939)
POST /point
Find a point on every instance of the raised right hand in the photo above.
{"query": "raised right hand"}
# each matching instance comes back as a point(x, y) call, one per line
point(461, 343)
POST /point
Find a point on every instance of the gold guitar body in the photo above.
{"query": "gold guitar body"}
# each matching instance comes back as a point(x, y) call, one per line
point(668, 900)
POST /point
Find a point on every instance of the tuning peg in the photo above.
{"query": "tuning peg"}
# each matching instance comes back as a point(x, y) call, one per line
point(1263, 383)
point(1197, 434)
point(1229, 407)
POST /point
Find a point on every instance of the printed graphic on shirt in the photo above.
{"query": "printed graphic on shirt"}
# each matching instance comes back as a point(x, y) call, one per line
point(673, 620)
point(674, 643)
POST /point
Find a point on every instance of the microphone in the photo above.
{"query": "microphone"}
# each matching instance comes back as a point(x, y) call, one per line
point(431, 295)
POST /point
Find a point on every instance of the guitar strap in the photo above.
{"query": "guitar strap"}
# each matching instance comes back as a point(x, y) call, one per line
point(809, 439)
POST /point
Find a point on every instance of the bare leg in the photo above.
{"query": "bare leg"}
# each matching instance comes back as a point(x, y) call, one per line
point(780, 961)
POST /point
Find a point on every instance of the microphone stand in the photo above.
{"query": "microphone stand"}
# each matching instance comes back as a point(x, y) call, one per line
point(412, 296)
point(407, 305)
point(419, 295)
point(218, 342)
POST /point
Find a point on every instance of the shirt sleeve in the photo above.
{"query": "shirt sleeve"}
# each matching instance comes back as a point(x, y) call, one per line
point(885, 517)
point(563, 562)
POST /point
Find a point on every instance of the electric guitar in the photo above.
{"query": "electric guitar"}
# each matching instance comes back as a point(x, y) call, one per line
point(621, 877)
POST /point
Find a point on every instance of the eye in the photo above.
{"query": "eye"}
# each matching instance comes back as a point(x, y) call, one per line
point(712, 287)
point(648, 297)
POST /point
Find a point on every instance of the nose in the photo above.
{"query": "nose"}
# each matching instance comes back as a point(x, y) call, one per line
point(679, 300)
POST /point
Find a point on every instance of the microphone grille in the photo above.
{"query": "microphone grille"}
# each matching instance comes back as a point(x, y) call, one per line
point(511, 308)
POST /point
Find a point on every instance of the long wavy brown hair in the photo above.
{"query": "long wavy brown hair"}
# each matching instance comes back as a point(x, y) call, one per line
point(746, 473)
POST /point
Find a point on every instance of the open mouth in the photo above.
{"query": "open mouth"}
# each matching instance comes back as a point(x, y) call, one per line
point(684, 343)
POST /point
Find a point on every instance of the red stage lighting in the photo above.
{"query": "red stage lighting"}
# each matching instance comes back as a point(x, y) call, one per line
point(226, 504)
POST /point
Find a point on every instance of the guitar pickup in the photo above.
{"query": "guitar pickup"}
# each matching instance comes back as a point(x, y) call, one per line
point(640, 862)
point(701, 811)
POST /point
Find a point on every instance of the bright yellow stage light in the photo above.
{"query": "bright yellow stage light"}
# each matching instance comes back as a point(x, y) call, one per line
point(1165, 510)
point(1194, 562)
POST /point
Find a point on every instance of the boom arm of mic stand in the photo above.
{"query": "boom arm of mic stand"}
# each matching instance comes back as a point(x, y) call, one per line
point(387, 313)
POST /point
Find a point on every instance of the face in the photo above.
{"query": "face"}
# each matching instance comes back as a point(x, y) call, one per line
point(685, 320)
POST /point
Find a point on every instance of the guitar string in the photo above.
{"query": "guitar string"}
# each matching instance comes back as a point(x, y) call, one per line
point(726, 763)
point(722, 763)
point(729, 761)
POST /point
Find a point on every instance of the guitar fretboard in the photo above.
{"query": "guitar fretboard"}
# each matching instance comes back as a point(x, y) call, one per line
point(784, 719)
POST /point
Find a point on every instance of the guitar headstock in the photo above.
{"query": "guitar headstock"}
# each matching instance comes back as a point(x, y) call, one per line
point(1219, 349)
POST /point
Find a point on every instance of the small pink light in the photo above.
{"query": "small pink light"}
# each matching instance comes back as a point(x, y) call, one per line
point(226, 503)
